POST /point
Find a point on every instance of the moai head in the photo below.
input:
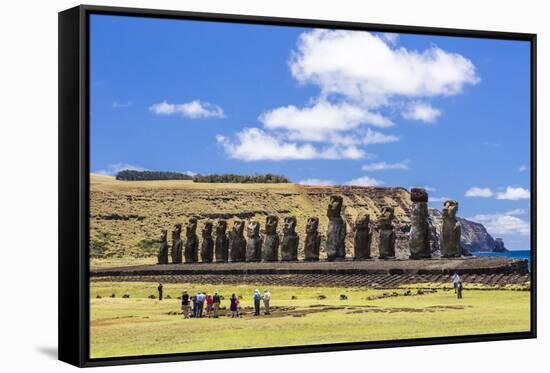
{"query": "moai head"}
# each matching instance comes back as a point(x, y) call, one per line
point(163, 234)
point(386, 215)
point(238, 228)
point(191, 227)
point(176, 233)
point(253, 229)
point(450, 209)
point(221, 227)
point(289, 226)
point(312, 224)
point(362, 221)
point(334, 207)
point(207, 229)
point(419, 195)
point(271, 223)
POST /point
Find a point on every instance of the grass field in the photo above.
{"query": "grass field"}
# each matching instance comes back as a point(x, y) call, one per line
point(140, 326)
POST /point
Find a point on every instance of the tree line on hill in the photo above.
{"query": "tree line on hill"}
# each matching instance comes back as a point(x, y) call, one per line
point(133, 175)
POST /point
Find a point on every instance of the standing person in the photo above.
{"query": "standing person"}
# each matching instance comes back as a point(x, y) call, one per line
point(459, 290)
point(160, 291)
point(234, 303)
point(456, 280)
point(209, 303)
point(257, 296)
point(267, 298)
point(185, 304)
point(200, 298)
point(216, 300)
point(194, 301)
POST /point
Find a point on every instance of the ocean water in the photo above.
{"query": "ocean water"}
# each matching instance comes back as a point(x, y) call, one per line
point(517, 254)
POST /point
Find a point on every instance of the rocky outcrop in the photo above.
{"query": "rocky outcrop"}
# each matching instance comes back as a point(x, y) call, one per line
point(499, 246)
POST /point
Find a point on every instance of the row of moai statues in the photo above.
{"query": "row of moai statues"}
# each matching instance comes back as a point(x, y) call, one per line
point(234, 247)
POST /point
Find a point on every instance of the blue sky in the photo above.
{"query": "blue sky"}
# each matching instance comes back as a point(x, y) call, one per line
point(319, 106)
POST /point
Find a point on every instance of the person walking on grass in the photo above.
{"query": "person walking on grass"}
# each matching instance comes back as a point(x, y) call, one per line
point(257, 296)
point(216, 300)
point(266, 298)
point(234, 306)
point(185, 304)
point(455, 279)
point(459, 290)
point(209, 303)
point(160, 291)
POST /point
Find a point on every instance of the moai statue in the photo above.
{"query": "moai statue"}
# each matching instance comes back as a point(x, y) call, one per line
point(163, 249)
point(336, 232)
point(449, 239)
point(313, 239)
point(386, 235)
point(221, 244)
point(253, 242)
point(207, 244)
point(362, 237)
point(191, 249)
point(237, 243)
point(419, 236)
point(290, 240)
point(177, 245)
point(270, 244)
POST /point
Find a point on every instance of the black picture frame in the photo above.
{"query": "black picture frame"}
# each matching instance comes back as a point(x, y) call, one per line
point(74, 183)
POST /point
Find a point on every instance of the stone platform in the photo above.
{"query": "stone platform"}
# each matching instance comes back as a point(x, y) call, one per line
point(462, 266)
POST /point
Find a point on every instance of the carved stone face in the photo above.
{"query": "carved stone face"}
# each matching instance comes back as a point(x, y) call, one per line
point(334, 206)
point(312, 224)
point(163, 234)
point(253, 229)
point(238, 227)
point(221, 227)
point(386, 214)
point(177, 229)
point(289, 225)
point(191, 227)
point(207, 228)
point(362, 221)
point(450, 208)
point(419, 195)
point(271, 223)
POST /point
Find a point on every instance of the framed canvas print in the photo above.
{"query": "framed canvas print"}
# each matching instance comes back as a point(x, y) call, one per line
point(233, 186)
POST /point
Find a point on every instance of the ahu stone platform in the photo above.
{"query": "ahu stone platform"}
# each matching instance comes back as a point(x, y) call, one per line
point(462, 266)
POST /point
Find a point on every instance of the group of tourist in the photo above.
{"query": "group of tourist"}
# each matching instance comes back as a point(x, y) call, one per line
point(208, 305)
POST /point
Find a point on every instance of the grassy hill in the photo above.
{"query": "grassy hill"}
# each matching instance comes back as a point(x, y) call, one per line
point(126, 217)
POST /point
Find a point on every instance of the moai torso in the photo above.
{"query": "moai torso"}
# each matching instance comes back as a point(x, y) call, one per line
point(336, 231)
point(420, 233)
point(237, 243)
point(290, 240)
point(362, 237)
point(177, 245)
point(221, 243)
point(270, 244)
point(191, 250)
point(163, 249)
point(253, 242)
point(207, 244)
point(449, 239)
point(313, 239)
point(386, 234)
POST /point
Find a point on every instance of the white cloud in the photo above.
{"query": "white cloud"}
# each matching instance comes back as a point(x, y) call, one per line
point(194, 109)
point(189, 173)
point(512, 193)
point(365, 181)
point(114, 168)
point(516, 212)
point(117, 104)
point(479, 192)
point(374, 137)
point(320, 121)
point(499, 224)
point(422, 112)
point(253, 144)
point(316, 182)
point(523, 168)
point(367, 68)
point(380, 166)
point(390, 37)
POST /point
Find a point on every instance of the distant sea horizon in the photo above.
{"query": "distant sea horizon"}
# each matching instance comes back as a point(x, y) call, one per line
point(516, 254)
